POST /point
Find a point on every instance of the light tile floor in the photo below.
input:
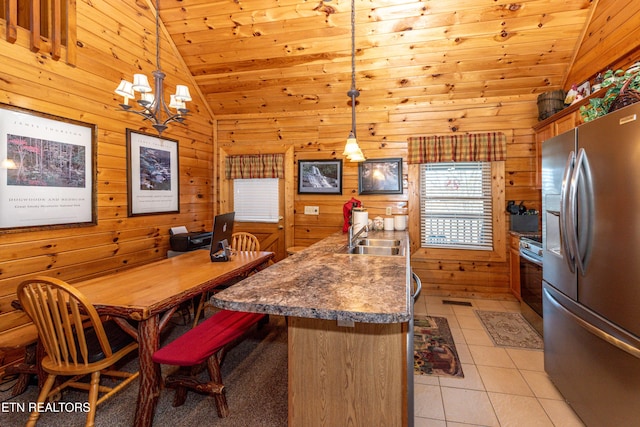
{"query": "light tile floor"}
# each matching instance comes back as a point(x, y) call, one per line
point(501, 386)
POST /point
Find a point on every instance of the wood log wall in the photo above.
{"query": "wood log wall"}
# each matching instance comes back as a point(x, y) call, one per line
point(116, 39)
point(611, 40)
point(383, 134)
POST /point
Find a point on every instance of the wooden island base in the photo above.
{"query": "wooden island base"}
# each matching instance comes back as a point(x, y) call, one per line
point(341, 376)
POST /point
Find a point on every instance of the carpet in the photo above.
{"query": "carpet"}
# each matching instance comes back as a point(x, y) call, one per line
point(254, 373)
point(510, 330)
point(434, 351)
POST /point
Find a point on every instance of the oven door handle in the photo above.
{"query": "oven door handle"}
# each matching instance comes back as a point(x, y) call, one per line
point(418, 287)
point(530, 258)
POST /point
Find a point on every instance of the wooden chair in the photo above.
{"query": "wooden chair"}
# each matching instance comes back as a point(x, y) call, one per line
point(240, 241)
point(76, 341)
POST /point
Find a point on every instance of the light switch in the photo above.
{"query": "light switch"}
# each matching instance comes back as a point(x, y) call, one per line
point(312, 210)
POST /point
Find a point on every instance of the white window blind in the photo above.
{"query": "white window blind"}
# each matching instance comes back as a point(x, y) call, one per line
point(256, 200)
point(456, 205)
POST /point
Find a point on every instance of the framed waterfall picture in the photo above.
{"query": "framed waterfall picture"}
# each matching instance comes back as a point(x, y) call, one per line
point(47, 170)
point(153, 174)
point(320, 176)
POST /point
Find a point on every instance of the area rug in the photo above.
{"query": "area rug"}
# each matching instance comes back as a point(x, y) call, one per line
point(510, 330)
point(434, 352)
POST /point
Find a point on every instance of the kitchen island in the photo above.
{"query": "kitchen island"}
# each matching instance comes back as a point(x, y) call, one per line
point(348, 318)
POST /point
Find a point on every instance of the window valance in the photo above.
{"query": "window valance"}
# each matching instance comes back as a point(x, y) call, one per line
point(470, 147)
point(254, 166)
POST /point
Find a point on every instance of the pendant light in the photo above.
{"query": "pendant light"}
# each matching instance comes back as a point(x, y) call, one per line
point(151, 100)
point(352, 150)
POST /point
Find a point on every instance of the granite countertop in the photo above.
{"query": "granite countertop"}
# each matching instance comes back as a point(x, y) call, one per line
point(325, 282)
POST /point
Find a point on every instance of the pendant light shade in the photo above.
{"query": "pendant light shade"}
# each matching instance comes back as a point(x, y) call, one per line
point(154, 107)
point(352, 150)
point(357, 157)
point(352, 146)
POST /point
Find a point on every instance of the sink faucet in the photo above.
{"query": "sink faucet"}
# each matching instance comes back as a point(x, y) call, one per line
point(352, 238)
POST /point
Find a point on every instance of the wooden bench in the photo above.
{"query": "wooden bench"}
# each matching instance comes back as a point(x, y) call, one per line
point(208, 342)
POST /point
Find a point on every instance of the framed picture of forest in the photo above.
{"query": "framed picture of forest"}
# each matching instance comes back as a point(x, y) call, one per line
point(47, 170)
point(153, 174)
point(380, 176)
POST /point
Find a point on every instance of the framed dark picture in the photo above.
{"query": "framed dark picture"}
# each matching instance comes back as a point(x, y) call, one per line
point(47, 170)
point(320, 176)
point(380, 176)
point(153, 174)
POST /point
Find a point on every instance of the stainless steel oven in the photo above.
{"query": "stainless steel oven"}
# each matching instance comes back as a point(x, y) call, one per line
point(531, 280)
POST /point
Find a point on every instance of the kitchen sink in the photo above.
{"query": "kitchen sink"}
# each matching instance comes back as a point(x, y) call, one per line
point(377, 250)
point(379, 242)
point(376, 247)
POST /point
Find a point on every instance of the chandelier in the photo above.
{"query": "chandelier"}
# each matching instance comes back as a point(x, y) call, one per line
point(352, 150)
point(154, 107)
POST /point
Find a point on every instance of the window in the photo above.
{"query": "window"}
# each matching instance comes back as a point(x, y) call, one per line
point(256, 200)
point(456, 205)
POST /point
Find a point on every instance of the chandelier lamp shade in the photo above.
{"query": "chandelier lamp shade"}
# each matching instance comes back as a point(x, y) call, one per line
point(151, 100)
point(352, 150)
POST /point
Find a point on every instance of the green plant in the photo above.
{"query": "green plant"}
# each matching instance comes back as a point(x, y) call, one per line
point(611, 77)
point(614, 81)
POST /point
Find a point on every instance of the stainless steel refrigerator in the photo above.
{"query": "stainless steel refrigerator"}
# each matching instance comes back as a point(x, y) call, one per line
point(591, 267)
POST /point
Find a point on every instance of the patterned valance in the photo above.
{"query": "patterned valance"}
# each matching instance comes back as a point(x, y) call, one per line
point(470, 147)
point(254, 166)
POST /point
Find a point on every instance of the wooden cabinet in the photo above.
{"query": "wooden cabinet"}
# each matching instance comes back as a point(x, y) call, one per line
point(340, 375)
point(567, 122)
point(560, 122)
point(542, 135)
point(514, 264)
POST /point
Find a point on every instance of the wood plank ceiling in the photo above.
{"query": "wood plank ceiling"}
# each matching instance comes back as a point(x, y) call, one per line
point(274, 56)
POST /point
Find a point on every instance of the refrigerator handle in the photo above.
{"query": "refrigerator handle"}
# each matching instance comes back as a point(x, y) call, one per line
point(624, 346)
point(565, 225)
point(583, 240)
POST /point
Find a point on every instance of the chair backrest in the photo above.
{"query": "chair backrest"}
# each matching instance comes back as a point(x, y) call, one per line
point(242, 241)
point(62, 315)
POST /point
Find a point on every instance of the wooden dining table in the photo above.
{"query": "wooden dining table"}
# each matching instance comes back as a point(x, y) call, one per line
point(150, 294)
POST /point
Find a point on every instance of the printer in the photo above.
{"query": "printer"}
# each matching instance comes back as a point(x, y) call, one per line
point(189, 241)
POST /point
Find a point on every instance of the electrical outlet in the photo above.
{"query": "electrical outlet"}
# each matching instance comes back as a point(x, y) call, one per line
point(312, 210)
point(388, 210)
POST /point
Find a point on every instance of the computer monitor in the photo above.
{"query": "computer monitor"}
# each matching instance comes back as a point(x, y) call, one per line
point(221, 238)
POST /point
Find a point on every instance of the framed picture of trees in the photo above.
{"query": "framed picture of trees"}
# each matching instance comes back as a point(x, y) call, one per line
point(380, 176)
point(47, 170)
point(153, 174)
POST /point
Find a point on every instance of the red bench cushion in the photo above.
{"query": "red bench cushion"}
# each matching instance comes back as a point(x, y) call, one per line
point(196, 345)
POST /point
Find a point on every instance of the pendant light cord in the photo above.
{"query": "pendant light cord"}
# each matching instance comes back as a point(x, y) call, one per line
point(353, 93)
point(353, 45)
point(158, 35)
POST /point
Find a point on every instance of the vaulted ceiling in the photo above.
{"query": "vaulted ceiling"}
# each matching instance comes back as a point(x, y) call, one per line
point(272, 56)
